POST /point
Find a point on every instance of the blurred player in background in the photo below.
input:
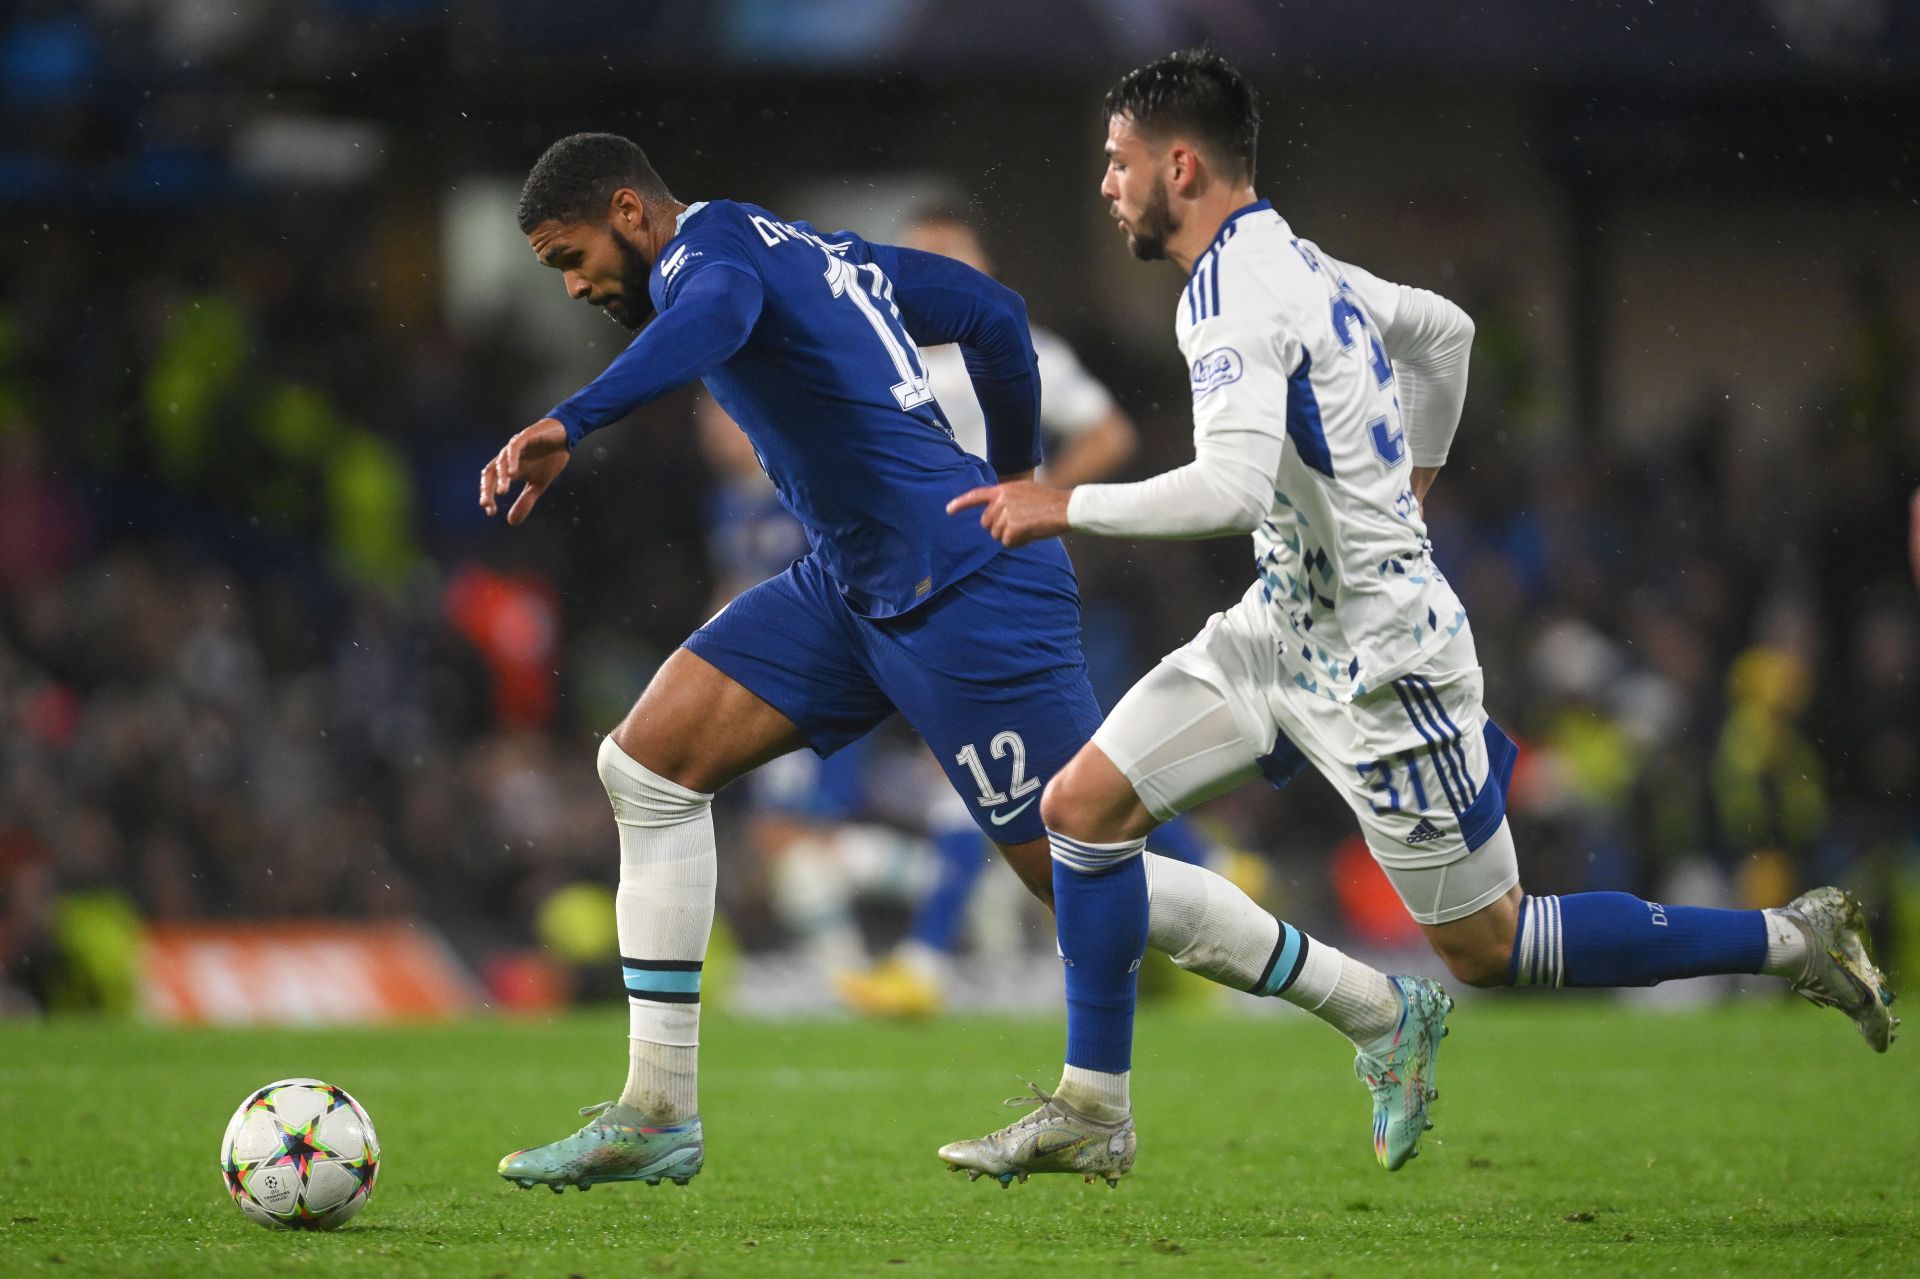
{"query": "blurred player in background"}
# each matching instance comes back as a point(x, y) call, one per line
point(1325, 400)
point(1088, 437)
point(804, 815)
point(803, 339)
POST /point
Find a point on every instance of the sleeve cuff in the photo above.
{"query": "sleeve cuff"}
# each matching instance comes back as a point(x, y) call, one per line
point(577, 429)
point(1077, 507)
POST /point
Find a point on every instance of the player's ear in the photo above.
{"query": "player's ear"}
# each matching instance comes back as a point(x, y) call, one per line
point(1183, 168)
point(629, 212)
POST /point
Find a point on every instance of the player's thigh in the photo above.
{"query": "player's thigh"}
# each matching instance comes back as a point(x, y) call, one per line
point(990, 674)
point(1199, 724)
point(1000, 744)
point(1425, 772)
point(696, 726)
point(1177, 741)
point(773, 671)
point(1464, 906)
point(1477, 903)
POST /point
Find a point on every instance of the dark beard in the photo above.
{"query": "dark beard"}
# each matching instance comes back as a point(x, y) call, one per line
point(634, 306)
point(1149, 241)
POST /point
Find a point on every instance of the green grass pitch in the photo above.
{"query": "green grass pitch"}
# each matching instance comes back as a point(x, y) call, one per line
point(1574, 1137)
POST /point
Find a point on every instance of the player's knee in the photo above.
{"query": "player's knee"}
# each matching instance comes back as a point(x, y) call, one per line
point(640, 796)
point(1091, 799)
point(1060, 803)
point(1075, 803)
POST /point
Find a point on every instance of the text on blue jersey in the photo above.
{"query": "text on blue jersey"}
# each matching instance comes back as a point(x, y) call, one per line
point(808, 342)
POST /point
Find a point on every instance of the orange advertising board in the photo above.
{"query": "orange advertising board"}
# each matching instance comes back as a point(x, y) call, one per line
point(302, 973)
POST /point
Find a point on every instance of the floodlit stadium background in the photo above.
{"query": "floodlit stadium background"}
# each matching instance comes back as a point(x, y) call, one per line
point(264, 313)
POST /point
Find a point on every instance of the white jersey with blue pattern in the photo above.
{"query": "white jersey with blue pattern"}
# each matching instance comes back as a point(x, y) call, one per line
point(1278, 334)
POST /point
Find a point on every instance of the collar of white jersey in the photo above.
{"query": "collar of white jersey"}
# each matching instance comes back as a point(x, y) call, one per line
point(680, 223)
point(1226, 232)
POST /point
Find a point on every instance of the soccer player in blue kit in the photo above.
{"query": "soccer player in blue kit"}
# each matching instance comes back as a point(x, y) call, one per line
point(809, 342)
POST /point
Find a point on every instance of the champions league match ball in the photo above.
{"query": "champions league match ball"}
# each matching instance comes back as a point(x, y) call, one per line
point(300, 1154)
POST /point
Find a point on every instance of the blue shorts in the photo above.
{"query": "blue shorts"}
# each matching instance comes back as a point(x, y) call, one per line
point(988, 672)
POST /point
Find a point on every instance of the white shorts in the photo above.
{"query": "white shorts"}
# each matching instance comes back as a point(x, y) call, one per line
point(1417, 760)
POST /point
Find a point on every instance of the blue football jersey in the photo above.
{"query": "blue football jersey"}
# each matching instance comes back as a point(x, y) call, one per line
point(831, 391)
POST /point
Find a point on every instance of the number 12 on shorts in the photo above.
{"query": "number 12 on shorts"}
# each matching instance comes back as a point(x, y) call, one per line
point(1003, 744)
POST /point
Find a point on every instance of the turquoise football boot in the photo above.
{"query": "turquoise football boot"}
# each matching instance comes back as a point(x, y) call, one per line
point(618, 1145)
point(1398, 1070)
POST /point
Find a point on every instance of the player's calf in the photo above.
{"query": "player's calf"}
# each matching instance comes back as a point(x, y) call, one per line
point(1478, 949)
point(1818, 943)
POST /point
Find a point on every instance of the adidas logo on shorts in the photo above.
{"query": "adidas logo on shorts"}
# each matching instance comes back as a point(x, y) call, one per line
point(1423, 831)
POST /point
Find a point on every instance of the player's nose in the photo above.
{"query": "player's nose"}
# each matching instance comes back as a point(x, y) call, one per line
point(577, 286)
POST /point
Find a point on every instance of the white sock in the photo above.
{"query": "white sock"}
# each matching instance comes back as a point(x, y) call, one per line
point(663, 1062)
point(1354, 999)
point(1096, 1093)
point(1207, 925)
point(664, 912)
point(1786, 945)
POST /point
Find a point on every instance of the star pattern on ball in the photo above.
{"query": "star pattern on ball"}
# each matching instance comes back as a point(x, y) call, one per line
point(362, 1171)
point(236, 1175)
point(298, 1146)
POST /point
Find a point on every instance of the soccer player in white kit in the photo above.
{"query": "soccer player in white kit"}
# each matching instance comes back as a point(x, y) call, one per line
point(1325, 400)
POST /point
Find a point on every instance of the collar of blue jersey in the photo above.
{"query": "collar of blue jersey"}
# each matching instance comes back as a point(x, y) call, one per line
point(680, 223)
point(1220, 237)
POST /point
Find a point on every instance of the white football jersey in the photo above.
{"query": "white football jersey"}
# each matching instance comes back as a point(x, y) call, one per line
point(1071, 399)
point(1278, 335)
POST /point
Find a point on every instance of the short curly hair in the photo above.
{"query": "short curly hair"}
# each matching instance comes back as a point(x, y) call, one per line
point(1196, 92)
point(574, 180)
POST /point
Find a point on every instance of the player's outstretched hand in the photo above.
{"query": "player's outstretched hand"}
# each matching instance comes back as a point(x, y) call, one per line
point(1018, 512)
point(536, 455)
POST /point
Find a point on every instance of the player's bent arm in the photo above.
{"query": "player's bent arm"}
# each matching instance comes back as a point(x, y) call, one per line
point(1430, 341)
point(1211, 496)
point(710, 318)
point(940, 301)
point(1241, 368)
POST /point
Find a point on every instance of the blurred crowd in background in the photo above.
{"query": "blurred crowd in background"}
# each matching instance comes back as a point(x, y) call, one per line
point(260, 656)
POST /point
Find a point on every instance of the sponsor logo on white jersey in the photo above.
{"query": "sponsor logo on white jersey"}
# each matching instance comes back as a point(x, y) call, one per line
point(1216, 369)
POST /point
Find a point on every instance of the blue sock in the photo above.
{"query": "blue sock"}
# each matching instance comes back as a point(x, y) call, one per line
point(1615, 939)
point(963, 854)
point(1179, 840)
point(1100, 909)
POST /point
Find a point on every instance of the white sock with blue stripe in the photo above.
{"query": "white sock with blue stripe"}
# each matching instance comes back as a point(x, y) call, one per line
point(664, 913)
point(1209, 927)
